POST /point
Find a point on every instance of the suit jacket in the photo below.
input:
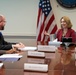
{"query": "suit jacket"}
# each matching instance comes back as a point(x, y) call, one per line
point(70, 33)
point(4, 45)
point(2, 52)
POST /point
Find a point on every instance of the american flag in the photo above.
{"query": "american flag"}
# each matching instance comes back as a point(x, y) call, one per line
point(45, 21)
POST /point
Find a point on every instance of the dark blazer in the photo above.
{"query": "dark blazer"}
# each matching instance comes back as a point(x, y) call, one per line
point(3, 44)
point(2, 52)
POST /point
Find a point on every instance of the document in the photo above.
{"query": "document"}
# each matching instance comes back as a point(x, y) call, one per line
point(55, 40)
point(28, 48)
point(2, 59)
point(1, 64)
point(10, 57)
point(55, 43)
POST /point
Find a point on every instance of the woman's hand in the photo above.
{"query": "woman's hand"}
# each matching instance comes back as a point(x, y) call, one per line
point(46, 33)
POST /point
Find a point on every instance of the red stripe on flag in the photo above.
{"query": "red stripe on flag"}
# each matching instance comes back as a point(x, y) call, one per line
point(41, 30)
point(49, 22)
point(45, 21)
point(54, 30)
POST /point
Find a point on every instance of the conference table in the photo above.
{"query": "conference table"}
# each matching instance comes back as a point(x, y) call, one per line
point(54, 60)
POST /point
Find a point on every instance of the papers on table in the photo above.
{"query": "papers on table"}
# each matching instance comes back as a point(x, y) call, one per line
point(36, 67)
point(7, 55)
point(10, 57)
point(46, 48)
point(1, 64)
point(28, 48)
point(57, 44)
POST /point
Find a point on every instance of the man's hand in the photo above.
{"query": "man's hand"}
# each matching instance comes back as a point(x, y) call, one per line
point(19, 45)
point(11, 51)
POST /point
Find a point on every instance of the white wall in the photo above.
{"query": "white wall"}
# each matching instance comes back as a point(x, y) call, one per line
point(60, 11)
point(21, 16)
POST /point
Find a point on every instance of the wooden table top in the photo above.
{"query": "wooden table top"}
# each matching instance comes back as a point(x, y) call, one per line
point(54, 61)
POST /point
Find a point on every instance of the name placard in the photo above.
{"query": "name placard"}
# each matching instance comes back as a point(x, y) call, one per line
point(36, 54)
point(46, 48)
point(36, 67)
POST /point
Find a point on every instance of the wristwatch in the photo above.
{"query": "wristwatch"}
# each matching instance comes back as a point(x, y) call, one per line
point(67, 3)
